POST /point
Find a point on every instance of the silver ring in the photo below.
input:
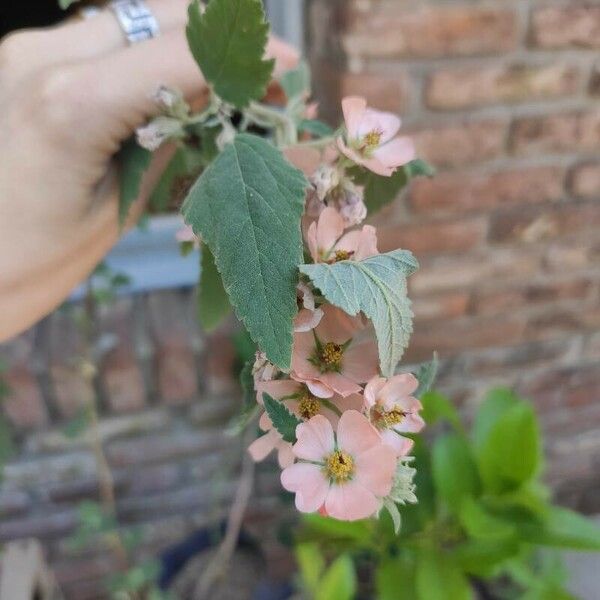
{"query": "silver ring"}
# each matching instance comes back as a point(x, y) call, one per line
point(136, 20)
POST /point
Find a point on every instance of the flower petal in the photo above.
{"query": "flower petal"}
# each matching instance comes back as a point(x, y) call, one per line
point(412, 423)
point(285, 454)
point(261, 447)
point(314, 439)
point(375, 469)
point(308, 482)
point(330, 228)
point(337, 326)
point(402, 445)
point(388, 124)
point(307, 320)
point(350, 502)
point(361, 361)
point(353, 108)
point(396, 152)
point(339, 383)
point(355, 434)
point(397, 388)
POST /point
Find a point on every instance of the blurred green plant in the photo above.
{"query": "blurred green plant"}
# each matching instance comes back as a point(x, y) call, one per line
point(484, 525)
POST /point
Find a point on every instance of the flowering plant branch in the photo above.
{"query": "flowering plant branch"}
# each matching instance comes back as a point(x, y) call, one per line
point(278, 209)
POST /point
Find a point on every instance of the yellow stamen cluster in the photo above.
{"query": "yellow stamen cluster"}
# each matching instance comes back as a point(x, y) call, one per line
point(384, 419)
point(372, 139)
point(331, 356)
point(342, 255)
point(339, 466)
point(308, 406)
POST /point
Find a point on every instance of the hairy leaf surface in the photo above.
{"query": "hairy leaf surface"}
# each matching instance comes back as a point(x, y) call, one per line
point(283, 420)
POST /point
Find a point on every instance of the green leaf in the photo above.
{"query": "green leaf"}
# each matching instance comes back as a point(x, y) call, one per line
point(250, 408)
point(377, 287)
point(484, 557)
point(311, 563)
point(339, 581)
point(426, 375)
point(511, 453)
point(562, 528)
point(327, 528)
point(418, 168)
point(454, 470)
point(316, 128)
point(436, 407)
point(439, 578)
point(395, 579)
point(480, 523)
point(186, 162)
point(296, 82)
point(228, 42)
point(134, 161)
point(283, 420)
point(495, 404)
point(213, 302)
point(247, 207)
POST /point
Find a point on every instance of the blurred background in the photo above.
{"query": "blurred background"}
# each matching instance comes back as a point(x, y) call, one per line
point(503, 98)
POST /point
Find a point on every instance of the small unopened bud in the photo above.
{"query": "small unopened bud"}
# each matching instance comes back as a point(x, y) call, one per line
point(158, 131)
point(325, 179)
point(350, 203)
point(171, 102)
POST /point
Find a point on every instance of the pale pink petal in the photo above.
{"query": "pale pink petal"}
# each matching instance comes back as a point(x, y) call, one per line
point(337, 326)
point(265, 422)
point(314, 439)
point(311, 241)
point(361, 361)
point(412, 423)
point(276, 388)
point(308, 482)
point(375, 469)
point(355, 434)
point(307, 320)
point(339, 383)
point(367, 243)
point(305, 158)
point(375, 120)
point(402, 445)
point(397, 387)
point(330, 227)
point(316, 388)
point(372, 164)
point(308, 298)
point(304, 346)
point(396, 152)
point(372, 390)
point(285, 454)
point(352, 402)
point(261, 447)
point(186, 234)
point(350, 502)
point(354, 108)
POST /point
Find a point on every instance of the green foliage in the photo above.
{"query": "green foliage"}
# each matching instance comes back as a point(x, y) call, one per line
point(311, 564)
point(483, 514)
point(426, 376)
point(250, 408)
point(247, 207)
point(283, 420)
point(316, 128)
point(213, 302)
point(377, 287)
point(64, 4)
point(133, 160)
point(339, 581)
point(228, 42)
point(296, 82)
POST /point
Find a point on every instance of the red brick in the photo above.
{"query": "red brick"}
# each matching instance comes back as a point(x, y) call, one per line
point(461, 144)
point(585, 181)
point(564, 132)
point(502, 300)
point(120, 371)
point(437, 237)
point(444, 306)
point(563, 322)
point(387, 30)
point(384, 92)
point(566, 26)
point(466, 87)
point(460, 192)
point(538, 223)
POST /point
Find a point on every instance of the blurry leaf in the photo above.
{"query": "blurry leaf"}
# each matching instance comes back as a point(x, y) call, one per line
point(245, 348)
point(317, 128)
point(395, 579)
point(439, 578)
point(511, 453)
point(376, 287)
point(496, 403)
point(133, 160)
point(481, 524)
point(328, 528)
point(250, 408)
point(454, 471)
point(484, 557)
point(419, 168)
point(213, 302)
point(339, 581)
point(311, 563)
point(283, 420)
point(228, 42)
point(296, 82)
point(426, 376)
point(436, 407)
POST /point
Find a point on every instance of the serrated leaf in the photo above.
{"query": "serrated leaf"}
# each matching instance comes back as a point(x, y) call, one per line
point(133, 160)
point(247, 206)
point(426, 376)
point(377, 287)
point(228, 42)
point(213, 302)
point(283, 420)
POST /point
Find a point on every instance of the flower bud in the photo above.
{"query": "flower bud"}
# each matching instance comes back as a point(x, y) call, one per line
point(158, 131)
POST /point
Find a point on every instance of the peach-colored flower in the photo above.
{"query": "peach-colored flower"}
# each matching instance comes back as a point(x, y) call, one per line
point(393, 409)
point(331, 356)
point(371, 140)
point(348, 473)
point(304, 404)
point(308, 316)
point(328, 243)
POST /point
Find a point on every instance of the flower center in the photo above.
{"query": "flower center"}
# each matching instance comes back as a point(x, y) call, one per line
point(342, 255)
point(385, 419)
point(339, 466)
point(331, 356)
point(372, 139)
point(308, 406)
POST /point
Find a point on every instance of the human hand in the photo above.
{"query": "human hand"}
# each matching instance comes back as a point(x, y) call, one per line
point(69, 96)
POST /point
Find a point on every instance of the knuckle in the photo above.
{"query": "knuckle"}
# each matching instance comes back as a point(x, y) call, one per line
point(57, 97)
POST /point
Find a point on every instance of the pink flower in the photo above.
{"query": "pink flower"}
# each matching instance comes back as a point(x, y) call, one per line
point(348, 474)
point(327, 242)
point(305, 405)
point(331, 357)
point(308, 316)
point(393, 410)
point(371, 140)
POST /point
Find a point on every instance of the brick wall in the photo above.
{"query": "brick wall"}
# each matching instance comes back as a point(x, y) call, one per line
point(503, 97)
